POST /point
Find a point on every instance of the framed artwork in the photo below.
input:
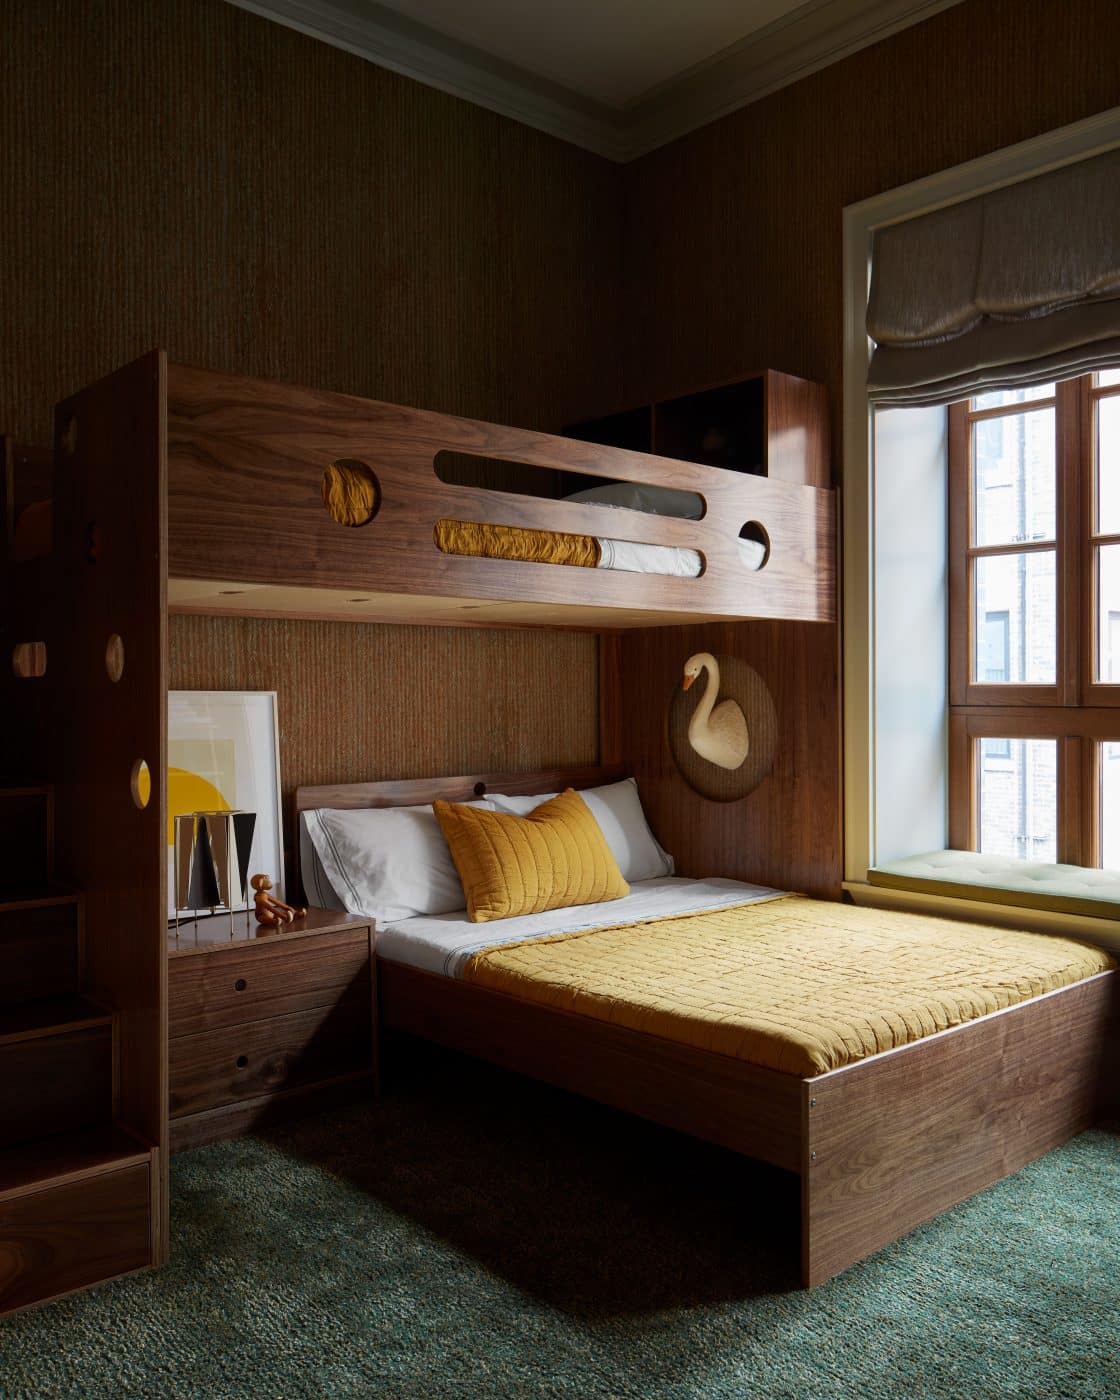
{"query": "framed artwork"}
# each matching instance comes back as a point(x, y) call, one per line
point(223, 755)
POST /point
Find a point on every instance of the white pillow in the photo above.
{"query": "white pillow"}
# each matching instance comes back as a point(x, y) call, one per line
point(387, 863)
point(618, 810)
point(654, 500)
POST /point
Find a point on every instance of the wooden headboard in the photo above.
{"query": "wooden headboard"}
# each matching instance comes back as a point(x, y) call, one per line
point(415, 792)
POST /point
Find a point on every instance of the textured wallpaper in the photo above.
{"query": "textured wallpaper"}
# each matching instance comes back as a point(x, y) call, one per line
point(365, 702)
point(186, 174)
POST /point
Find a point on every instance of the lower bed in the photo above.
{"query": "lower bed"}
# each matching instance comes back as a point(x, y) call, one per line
point(899, 1063)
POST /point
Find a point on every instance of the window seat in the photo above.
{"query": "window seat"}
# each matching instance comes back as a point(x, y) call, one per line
point(1059, 889)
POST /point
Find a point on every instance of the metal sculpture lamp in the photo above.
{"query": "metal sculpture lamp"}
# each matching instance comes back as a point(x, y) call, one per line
point(211, 859)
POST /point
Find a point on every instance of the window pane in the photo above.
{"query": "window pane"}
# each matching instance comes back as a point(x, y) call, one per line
point(1013, 478)
point(1110, 805)
point(1108, 613)
point(1108, 465)
point(1108, 376)
point(1004, 398)
point(1018, 803)
point(1014, 628)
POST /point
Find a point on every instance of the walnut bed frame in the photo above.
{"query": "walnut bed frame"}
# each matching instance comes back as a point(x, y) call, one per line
point(881, 1145)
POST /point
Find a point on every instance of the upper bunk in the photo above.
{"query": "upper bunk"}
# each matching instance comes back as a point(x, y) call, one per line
point(253, 469)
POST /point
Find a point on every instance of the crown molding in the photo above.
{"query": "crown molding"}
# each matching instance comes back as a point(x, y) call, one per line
point(813, 36)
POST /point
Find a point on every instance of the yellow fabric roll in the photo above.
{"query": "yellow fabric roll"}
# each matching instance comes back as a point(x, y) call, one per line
point(555, 857)
point(514, 542)
point(798, 985)
point(349, 492)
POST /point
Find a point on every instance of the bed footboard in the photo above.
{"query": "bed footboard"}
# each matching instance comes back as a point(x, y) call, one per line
point(892, 1141)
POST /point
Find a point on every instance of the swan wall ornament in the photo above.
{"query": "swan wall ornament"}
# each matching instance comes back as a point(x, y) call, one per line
point(717, 733)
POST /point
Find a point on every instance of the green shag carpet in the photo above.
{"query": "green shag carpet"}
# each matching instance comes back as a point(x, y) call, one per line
point(475, 1235)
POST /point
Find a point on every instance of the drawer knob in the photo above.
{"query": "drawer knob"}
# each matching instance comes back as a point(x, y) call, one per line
point(242, 1061)
point(240, 985)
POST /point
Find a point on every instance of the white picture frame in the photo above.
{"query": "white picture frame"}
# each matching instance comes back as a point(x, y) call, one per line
point(223, 750)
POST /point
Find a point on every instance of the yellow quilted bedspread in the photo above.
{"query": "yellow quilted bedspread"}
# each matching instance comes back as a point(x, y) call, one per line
point(516, 542)
point(796, 984)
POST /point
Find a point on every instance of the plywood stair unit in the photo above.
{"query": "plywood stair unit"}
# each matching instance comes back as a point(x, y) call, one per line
point(82, 1180)
point(75, 1188)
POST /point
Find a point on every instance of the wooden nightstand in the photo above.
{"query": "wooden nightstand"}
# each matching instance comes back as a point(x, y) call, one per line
point(267, 1024)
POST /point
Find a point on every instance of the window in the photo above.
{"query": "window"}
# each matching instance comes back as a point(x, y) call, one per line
point(1034, 622)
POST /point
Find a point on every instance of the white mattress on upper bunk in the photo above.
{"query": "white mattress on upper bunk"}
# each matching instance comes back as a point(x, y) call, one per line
point(443, 943)
point(665, 559)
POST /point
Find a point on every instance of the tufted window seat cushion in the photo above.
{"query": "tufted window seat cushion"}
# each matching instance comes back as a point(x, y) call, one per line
point(1061, 889)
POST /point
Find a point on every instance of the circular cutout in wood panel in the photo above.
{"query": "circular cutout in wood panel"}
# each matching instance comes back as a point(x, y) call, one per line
point(29, 660)
point(705, 759)
point(756, 555)
point(351, 492)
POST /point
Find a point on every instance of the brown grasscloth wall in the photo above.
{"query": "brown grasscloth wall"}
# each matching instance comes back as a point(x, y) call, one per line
point(734, 248)
point(186, 174)
point(370, 702)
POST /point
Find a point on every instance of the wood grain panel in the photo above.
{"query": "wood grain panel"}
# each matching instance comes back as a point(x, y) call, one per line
point(40, 948)
point(752, 1110)
point(56, 1084)
point(111, 818)
point(260, 1057)
point(55, 1241)
point(786, 832)
point(237, 1119)
point(242, 984)
point(414, 792)
point(895, 1140)
point(242, 450)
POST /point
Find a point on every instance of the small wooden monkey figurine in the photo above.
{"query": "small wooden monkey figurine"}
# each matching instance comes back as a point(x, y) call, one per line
point(271, 912)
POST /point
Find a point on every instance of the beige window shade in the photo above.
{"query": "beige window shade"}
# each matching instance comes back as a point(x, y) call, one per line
point(1018, 286)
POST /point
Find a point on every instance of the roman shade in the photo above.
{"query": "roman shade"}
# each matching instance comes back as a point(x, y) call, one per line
point(1015, 287)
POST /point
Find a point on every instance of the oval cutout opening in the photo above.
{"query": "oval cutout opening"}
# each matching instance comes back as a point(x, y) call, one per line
point(140, 784)
point(351, 492)
point(114, 658)
point(515, 478)
point(516, 544)
point(754, 546)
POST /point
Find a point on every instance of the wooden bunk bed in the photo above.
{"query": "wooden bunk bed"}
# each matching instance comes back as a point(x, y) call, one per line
point(248, 532)
point(880, 1145)
point(182, 490)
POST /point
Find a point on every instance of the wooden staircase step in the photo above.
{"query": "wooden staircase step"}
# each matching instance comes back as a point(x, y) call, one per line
point(56, 1068)
point(26, 838)
point(54, 1016)
point(40, 947)
point(68, 1157)
point(75, 1232)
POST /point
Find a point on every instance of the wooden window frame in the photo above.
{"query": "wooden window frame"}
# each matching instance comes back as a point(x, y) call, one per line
point(1077, 711)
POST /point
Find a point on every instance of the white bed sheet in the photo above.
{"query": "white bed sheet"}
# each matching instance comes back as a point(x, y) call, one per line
point(669, 560)
point(442, 943)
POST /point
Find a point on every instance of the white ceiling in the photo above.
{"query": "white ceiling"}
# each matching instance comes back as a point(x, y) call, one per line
point(619, 77)
point(614, 51)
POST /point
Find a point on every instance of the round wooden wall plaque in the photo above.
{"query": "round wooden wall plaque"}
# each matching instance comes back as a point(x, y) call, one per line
point(743, 685)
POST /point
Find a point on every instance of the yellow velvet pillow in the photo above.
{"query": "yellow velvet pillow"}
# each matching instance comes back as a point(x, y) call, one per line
point(554, 857)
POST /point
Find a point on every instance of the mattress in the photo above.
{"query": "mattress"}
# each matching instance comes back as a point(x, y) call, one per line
point(444, 943)
point(514, 542)
point(796, 985)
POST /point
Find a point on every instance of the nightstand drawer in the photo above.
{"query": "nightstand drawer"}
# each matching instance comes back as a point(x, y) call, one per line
point(255, 981)
point(266, 1057)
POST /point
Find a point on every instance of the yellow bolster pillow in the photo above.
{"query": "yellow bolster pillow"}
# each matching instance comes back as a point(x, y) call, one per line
point(555, 857)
